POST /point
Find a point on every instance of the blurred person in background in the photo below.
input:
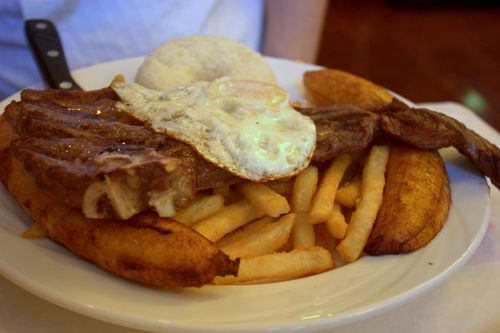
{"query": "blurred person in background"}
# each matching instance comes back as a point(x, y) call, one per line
point(94, 31)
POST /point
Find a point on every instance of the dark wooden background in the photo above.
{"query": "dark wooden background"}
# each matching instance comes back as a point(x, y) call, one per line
point(424, 52)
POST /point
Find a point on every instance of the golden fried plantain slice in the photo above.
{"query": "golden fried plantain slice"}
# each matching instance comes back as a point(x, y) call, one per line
point(330, 86)
point(435, 223)
point(415, 204)
point(146, 248)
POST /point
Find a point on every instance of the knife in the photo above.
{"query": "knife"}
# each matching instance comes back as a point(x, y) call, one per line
point(48, 52)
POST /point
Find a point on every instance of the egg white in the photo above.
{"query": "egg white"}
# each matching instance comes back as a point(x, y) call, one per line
point(246, 127)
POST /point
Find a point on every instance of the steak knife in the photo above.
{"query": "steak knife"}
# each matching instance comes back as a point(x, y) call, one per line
point(48, 52)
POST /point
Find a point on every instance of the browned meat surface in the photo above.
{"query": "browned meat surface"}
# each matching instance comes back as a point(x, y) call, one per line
point(427, 129)
point(89, 155)
point(342, 128)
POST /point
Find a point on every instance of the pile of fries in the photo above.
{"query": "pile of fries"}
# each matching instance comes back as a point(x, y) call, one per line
point(286, 229)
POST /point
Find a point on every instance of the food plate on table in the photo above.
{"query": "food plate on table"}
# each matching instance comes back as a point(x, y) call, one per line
point(345, 294)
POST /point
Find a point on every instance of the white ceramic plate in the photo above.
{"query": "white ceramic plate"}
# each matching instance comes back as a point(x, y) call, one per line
point(352, 292)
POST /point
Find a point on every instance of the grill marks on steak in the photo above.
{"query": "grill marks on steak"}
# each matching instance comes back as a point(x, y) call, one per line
point(68, 141)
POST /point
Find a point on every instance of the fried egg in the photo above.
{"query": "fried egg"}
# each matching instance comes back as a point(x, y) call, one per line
point(245, 127)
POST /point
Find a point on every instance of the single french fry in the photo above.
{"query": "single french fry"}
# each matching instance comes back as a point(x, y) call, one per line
point(280, 266)
point(200, 209)
point(227, 219)
point(304, 188)
point(265, 199)
point(264, 241)
point(244, 231)
point(322, 204)
point(303, 232)
point(336, 224)
point(348, 194)
point(363, 218)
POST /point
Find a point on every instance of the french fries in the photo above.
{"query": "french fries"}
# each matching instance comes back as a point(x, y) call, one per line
point(266, 240)
point(273, 244)
point(336, 224)
point(303, 232)
point(265, 199)
point(322, 204)
point(363, 218)
point(200, 209)
point(244, 231)
point(304, 188)
point(348, 194)
point(280, 266)
point(303, 191)
point(227, 219)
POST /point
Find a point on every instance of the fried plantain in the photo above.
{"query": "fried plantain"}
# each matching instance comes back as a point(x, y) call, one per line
point(332, 87)
point(415, 204)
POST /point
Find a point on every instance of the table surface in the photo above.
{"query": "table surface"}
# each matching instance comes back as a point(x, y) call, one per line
point(467, 302)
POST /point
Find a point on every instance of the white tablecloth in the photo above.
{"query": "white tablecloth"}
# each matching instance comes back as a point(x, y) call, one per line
point(469, 301)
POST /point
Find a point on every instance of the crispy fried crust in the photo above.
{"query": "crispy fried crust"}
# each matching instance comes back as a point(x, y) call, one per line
point(416, 202)
point(147, 249)
point(332, 87)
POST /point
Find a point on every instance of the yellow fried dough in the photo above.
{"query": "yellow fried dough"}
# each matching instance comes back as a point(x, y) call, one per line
point(330, 86)
point(415, 204)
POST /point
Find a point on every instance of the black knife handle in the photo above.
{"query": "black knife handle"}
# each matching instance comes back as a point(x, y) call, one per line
point(48, 52)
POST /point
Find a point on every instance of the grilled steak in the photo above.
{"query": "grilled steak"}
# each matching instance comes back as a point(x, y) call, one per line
point(345, 128)
point(427, 129)
point(341, 129)
point(86, 153)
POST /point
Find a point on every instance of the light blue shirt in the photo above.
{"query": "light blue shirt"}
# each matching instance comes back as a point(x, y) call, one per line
point(94, 31)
